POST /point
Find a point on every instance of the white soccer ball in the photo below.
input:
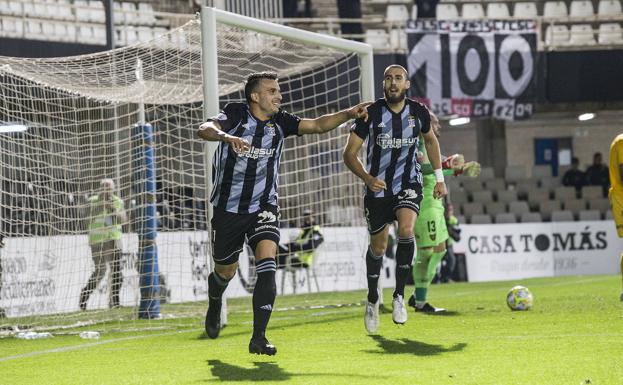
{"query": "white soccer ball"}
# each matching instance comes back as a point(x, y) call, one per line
point(519, 298)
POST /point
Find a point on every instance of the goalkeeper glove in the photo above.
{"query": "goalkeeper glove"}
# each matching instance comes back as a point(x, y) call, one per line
point(472, 169)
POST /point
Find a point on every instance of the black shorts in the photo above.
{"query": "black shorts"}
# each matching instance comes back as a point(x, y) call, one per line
point(382, 211)
point(229, 231)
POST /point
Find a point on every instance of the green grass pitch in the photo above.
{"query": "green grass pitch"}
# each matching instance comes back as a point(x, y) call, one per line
point(573, 335)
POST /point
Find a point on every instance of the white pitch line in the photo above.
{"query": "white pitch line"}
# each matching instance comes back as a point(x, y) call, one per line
point(88, 345)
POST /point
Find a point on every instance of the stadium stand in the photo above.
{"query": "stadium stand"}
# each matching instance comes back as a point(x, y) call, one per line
point(562, 216)
point(506, 218)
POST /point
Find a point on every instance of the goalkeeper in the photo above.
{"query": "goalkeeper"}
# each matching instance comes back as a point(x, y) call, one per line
point(430, 230)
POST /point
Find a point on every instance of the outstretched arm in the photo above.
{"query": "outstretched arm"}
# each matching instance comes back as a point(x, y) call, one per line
point(328, 122)
point(353, 145)
point(211, 131)
point(434, 156)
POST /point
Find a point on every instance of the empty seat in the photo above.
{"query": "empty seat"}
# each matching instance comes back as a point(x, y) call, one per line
point(518, 207)
point(472, 184)
point(146, 14)
point(602, 204)
point(507, 196)
point(487, 173)
point(85, 34)
point(536, 196)
point(562, 216)
point(564, 193)
point(144, 34)
point(495, 208)
point(473, 11)
point(458, 198)
point(40, 10)
point(575, 205)
point(397, 14)
point(470, 209)
point(82, 10)
point(610, 33)
point(581, 34)
point(525, 10)
point(377, 38)
point(524, 186)
point(589, 215)
point(581, 8)
point(398, 39)
point(60, 30)
point(505, 218)
point(530, 217)
point(453, 184)
point(556, 35)
point(555, 9)
point(541, 171)
point(129, 13)
point(497, 11)
point(98, 13)
point(118, 13)
point(128, 36)
point(514, 173)
point(609, 7)
point(16, 8)
point(13, 27)
point(33, 30)
point(483, 196)
point(550, 183)
point(497, 184)
point(546, 208)
point(99, 34)
point(48, 32)
point(592, 192)
point(446, 11)
point(61, 10)
point(480, 219)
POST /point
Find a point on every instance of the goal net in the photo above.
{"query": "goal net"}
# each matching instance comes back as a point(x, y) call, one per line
point(67, 123)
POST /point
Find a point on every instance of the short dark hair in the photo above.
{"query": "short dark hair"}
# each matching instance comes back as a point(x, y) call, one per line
point(575, 160)
point(253, 80)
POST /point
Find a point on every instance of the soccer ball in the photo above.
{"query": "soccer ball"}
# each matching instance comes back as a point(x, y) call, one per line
point(519, 298)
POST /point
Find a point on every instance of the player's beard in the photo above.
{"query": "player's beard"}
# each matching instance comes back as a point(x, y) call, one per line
point(395, 99)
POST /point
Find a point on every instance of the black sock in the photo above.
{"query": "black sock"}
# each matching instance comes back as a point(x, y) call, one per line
point(263, 295)
point(216, 286)
point(373, 270)
point(404, 259)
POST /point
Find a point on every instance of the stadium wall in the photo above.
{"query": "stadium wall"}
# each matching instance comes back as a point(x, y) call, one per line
point(588, 137)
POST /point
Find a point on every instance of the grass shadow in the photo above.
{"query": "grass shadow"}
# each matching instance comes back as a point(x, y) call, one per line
point(407, 346)
point(305, 321)
point(264, 371)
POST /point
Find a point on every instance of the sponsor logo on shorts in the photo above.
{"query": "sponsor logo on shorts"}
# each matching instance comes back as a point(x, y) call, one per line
point(408, 194)
point(266, 217)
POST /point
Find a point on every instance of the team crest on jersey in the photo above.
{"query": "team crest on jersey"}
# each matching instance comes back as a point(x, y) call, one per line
point(269, 129)
point(411, 121)
point(221, 116)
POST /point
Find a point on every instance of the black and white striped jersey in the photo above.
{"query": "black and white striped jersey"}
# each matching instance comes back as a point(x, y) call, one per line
point(244, 183)
point(392, 141)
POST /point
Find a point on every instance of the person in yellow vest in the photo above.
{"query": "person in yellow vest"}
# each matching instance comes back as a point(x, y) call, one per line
point(616, 190)
point(300, 253)
point(106, 215)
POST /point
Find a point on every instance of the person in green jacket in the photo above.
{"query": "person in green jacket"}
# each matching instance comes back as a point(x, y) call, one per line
point(106, 215)
point(430, 230)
